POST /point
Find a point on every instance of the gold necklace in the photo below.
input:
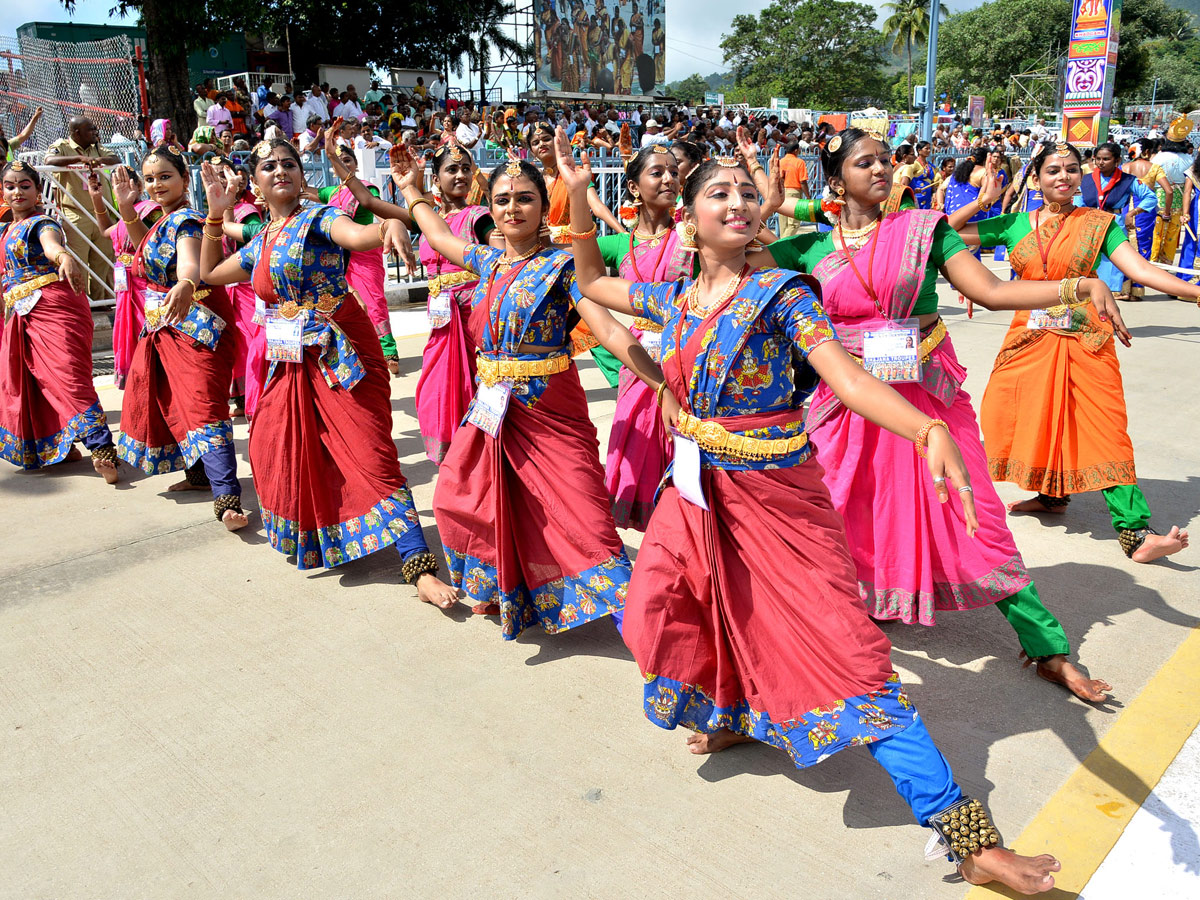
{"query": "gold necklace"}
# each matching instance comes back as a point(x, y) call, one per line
point(852, 234)
point(655, 236)
point(506, 262)
point(694, 291)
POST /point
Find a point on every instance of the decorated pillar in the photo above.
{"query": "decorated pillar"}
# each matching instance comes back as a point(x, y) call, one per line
point(1091, 70)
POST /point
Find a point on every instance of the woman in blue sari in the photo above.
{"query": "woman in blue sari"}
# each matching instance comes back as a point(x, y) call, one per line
point(727, 647)
point(920, 175)
point(521, 506)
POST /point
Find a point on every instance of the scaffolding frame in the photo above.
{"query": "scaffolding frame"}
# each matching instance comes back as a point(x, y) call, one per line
point(522, 24)
point(1039, 88)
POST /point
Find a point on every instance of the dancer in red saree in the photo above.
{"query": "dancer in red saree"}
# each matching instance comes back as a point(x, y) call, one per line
point(520, 500)
point(728, 648)
point(325, 467)
point(175, 412)
point(47, 398)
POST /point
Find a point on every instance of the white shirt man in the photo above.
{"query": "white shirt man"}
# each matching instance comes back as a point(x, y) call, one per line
point(437, 90)
point(349, 109)
point(316, 105)
point(654, 134)
point(467, 134)
point(725, 122)
point(372, 141)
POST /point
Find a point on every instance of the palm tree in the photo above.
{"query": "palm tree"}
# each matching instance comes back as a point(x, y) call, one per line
point(486, 22)
point(908, 25)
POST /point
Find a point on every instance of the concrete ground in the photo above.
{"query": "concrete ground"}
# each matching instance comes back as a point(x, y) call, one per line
point(186, 715)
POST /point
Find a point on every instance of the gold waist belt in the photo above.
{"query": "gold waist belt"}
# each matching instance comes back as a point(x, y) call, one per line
point(716, 439)
point(516, 370)
point(439, 283)
point(927, 345)
point(25, 288)
point(125, 259)
point(326, 304)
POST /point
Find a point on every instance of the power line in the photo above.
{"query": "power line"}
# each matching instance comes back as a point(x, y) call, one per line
point(694, 56)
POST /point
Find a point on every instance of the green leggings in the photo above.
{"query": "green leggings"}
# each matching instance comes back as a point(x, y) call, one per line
point(1128, 507)
point(1038, 631)
point(388, 343)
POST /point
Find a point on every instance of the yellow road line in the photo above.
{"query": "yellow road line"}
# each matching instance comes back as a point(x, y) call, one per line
point(1083, 820)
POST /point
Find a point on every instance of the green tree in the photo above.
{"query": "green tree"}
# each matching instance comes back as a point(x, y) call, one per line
point(692, 89)
point(908, 25)
point(791, 48)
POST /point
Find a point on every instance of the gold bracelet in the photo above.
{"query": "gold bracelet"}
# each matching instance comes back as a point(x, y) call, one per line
point(58, 257)
point(214, 220)
point(382, 224)
point(132, 221)
point(412, 206)
point(921, 441)
point(658, 393)
point(757, 168)
point(192, 283)
point(582, 235)
point(349, 178)
point(215, 238)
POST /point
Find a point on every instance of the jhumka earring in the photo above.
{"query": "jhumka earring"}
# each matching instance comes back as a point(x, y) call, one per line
point(687, 237)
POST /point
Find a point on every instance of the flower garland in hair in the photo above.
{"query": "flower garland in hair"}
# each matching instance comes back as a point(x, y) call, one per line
point(831, 206)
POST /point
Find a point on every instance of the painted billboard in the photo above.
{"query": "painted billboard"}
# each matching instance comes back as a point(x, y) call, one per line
point(618, 47)
point(1091, 70)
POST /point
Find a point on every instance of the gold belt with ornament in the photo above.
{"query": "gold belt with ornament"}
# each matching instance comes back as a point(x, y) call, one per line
point(715, 438)
point(928, 343)
point(125, 259)
point(25, 288)
point(326, 304)
point(492, 370)
point(439, 283)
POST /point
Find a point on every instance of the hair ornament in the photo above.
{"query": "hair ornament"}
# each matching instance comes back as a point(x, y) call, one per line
point(261, 149)
point(1062, 148)
point(18, 166)
point(154, 158)
point(513, 169)
point(835, 144)
point(456, 154)
point(727, 162)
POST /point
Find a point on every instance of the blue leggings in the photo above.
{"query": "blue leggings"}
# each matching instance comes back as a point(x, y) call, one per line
point(920, 772)
point(220, 466)
point(411, 542)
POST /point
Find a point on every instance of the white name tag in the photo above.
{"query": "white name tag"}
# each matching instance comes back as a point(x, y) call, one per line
point(155, 303)
point(439, 309)
point(892, 354)
point(652, 341)
point(1040, 318)
point(284, 337)
point(120, 277)
point(685, 472)
point(260, 312)
point(489, 407)
point(26, 303)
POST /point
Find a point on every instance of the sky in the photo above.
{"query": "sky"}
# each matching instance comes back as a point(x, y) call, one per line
point(694, 27)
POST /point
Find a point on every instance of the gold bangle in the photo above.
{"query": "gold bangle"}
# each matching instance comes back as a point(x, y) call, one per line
point(382, 224)
point(921, 441)
point(215, 238)
point(214, 220)
point(349, 178)
point(412, 206)
point(58, 257)
point(192, 283)
point(658, 393)
point(132, 221)
point(582, 235)
point(757, 168)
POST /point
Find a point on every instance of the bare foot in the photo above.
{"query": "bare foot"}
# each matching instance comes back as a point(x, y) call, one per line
point(186, 485)
point(107, 468)
point(394, 367)
point(234, 520)
point(73, 455)
point(1156, 546)
point(716, 741)
point(1056, 669)
point(1033, 504)
point(431, 589)
point(1024, 874)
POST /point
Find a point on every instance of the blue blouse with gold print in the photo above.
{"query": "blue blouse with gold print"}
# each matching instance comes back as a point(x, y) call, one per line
point(305, 263)
point(23, 255)
point(162, 248)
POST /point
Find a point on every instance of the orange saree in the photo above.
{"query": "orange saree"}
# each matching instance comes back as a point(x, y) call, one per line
point(1053, 414)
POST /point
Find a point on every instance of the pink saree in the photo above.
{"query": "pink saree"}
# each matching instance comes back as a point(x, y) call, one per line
point(365, 273)
point(639, 448)
point(912, 553)
point(128, 316)
point(447, 383)
point(250, 344)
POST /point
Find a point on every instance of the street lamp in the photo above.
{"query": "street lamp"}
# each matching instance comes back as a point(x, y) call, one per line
point(931, 72)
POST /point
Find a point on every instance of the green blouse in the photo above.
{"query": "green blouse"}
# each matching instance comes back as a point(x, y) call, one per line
point(1009, 230)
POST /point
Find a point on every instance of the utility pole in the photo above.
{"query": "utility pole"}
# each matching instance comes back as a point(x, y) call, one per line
point(931, 73)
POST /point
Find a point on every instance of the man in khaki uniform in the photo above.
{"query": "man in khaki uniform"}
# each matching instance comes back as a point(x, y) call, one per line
point(83, 148)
